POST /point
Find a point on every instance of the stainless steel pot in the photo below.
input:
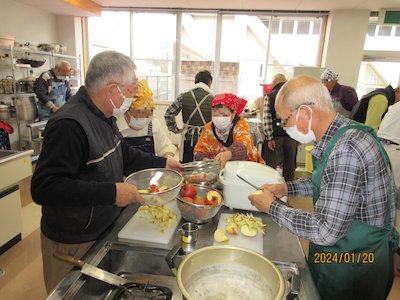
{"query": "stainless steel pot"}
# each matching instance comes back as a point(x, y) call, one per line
point(8, 85)
point(26, 108)
point(5, 111)
point(228, 272)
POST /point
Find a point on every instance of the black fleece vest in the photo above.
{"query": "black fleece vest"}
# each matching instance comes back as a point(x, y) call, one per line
point(105, 164)
point(360, 110)
point(277, 129)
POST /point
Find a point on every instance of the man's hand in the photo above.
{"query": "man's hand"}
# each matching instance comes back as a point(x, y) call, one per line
point(173, 164)
point(224, 157)
point(54, 108)
point(127, 194)
point(278, 190)
point(271, 145)
point(262, 201)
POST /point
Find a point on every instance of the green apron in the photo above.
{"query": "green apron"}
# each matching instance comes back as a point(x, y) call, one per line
point(360, 264)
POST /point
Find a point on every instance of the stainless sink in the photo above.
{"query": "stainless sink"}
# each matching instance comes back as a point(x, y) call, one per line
point(6, 153)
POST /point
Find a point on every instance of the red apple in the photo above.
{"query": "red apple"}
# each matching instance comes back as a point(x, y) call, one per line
point(187, 199)
point(188, 190)
point(153, 188)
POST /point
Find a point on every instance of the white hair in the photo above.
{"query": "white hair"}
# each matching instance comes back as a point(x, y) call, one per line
point(305, 90)
point(61, 64)
point(107, 67)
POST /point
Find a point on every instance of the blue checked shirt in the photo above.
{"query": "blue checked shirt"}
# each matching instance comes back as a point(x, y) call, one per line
point(355, 185)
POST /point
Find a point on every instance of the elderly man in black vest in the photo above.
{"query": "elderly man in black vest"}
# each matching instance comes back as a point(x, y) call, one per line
point(372, 107)
point(79, 175)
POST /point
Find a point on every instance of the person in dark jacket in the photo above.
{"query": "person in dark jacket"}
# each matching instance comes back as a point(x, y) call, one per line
point(79, 174)
point(195, 105)
point(278, 147)
point(372, 107)
point(343, 97)
point(52, 89)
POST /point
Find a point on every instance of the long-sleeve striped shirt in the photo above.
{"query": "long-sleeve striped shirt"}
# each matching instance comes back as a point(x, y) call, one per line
point(354, 186)
point(267, 121)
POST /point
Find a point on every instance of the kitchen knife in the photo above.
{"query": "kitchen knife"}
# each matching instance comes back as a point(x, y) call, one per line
point(259, 188)
point(91, 271)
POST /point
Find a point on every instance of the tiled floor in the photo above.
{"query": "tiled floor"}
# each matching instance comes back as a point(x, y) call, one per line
point(22, 264)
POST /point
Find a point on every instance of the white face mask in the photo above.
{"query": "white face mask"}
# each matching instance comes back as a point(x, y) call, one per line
point(63, 77)
point(118, 112)
point(139, 123)
point(222, 123)
point(295, 134)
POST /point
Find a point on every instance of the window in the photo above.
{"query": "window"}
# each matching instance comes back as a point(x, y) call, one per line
point(246, 41)
point(287, 26)
point(371, 29)
point(303, 27)
point(153, 51)
point(275, 26)
point(111, 31)
point(384, 30)
point(397, 31)
point(317, 27)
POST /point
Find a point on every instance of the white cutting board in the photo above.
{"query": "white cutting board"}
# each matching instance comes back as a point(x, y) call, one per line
point(240, 240)
point(140, 228)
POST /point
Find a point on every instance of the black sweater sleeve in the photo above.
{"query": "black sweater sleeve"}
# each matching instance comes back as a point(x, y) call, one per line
point(135, 160)
point(55, 180)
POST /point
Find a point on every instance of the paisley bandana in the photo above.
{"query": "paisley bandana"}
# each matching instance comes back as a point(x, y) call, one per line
point(328, 75)
point(144, 97)
point(230, 100)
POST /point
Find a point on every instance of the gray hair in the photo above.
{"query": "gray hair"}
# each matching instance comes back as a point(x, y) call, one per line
point(106, 67)
point(305, 90)
point(61, 64)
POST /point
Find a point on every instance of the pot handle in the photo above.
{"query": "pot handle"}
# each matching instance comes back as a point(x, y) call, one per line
point(171, 256)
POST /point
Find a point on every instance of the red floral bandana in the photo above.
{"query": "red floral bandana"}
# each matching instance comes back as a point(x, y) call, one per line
point(230, 100)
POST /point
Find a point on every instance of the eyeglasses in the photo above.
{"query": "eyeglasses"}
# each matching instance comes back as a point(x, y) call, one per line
point(284, 122)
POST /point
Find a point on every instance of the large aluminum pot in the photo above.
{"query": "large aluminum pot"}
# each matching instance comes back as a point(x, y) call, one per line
point(5, 111)
point(228, 272)
point(26, 108)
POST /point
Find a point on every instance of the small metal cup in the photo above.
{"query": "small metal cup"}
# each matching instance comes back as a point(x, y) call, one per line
point(189, 232)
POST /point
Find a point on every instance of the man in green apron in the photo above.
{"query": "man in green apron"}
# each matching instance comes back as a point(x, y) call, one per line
point(352, 240)
point(195, 106)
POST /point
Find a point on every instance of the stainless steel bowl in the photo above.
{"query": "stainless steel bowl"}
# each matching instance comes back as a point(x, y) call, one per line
point(198, 213)
point(160, 177)
point(202, 172)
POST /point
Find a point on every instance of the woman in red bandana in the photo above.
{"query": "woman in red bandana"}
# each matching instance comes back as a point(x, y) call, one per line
point(227, 137)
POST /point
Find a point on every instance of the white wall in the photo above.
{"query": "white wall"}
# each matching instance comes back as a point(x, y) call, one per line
point(27, 23)
point(344, 43)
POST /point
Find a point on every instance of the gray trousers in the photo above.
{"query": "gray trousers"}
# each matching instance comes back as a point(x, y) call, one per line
point(54, 269)
point(284, 153)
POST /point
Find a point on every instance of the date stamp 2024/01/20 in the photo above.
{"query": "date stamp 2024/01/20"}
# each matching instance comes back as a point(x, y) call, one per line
point(344, 257)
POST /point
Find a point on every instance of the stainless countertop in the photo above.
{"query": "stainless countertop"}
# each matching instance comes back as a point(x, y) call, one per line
point(8, 155)
point(279, 244)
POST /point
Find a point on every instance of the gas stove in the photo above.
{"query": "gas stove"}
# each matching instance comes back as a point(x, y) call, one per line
point(146, 286)
point(138, 266)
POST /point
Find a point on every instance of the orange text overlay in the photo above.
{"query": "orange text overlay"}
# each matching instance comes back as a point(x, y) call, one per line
point(345, 257)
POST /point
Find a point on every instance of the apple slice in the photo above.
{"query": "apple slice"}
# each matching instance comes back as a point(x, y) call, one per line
point(219, 236)
point(250, 232)
point(143, 191)
point(213, 196)
point(231, 228)
point(258, 192)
